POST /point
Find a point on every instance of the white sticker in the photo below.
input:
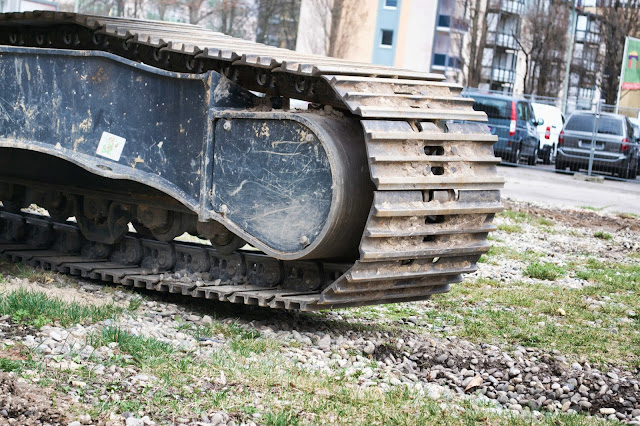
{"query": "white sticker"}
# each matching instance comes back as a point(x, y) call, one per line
point(111, 146)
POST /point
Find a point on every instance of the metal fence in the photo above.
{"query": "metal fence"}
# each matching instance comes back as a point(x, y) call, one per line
point(591, 140)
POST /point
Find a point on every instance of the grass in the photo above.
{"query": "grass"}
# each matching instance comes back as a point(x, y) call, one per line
point(518, 217)
point(143, 350)
point(10, 365)
point(594, 209)
point(544, 271)
point(603, 235)
point(510, 229)
point(530, 314)
point(37, 309)
point(278, 390)
point(545, 222)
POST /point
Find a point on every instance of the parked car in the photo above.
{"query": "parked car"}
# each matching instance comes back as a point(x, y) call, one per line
point(549, 131)
point(615, 150)
point(636, 133)
point(514, 122)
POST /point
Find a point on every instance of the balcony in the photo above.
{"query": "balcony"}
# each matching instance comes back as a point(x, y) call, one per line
point(506, 41)
point(515, 7)
point(587, 37)
point(584, 65)
point(503, 75)
point(448, 23)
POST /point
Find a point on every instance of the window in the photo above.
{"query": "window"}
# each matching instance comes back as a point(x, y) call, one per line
point(444, 21)
point(387, 38)
point(391, 4)
point(439, 60)
point(494, 108)
point(523, 112)
point(586, 123)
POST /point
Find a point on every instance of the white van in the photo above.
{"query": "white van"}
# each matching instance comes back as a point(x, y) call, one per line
point(548, 131)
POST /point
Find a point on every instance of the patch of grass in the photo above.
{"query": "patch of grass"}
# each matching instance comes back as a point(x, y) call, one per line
point(282, 418)
point(594, 209)
point(10, 365)
point(37, 309)
point(611, 277)
point(544, 271)
point(509, 253)
point(519, 217)
point(551, 317)
point(603, 235)
point(542, 221)
point(510, 229)
point(143, 350)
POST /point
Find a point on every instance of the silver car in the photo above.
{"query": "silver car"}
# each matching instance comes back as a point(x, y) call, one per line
point(615, 149)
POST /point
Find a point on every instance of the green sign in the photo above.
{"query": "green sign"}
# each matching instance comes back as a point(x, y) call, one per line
point(631, 65)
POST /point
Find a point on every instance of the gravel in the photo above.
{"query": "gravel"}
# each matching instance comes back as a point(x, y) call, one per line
point(446, 368)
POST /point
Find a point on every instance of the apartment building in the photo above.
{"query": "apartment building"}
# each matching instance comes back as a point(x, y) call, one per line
point(398, 33)
point(500, 56)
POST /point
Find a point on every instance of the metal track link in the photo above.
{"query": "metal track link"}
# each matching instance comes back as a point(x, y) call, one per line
point(195, 270)
point(437, 188)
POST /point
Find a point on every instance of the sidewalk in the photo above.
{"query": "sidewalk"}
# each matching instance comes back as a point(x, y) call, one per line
point(565, 190)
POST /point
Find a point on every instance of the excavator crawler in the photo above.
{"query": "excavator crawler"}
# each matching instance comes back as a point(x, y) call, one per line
point(131, 134)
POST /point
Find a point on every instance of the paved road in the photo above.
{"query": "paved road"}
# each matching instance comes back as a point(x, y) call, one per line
point(537, 184)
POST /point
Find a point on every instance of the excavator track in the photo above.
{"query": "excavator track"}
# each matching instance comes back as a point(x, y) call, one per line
point(436, 184)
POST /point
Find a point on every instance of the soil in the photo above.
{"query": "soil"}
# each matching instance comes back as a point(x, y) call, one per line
point(24, 404)
point(578, 218)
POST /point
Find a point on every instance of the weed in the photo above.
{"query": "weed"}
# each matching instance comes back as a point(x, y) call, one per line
point(603, 235)
point(10, 365)
point(544, 271)
point(282, 418)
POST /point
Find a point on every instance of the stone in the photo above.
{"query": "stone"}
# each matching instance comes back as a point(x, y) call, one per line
point(607, 411)
point(216, 419)
point(369, 348)
point(325, 342)
point(132, 421)
point(207, 320)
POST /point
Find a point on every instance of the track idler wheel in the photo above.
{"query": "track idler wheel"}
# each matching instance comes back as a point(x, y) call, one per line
point(102, 220)
point(223, 240)
point(161, 224)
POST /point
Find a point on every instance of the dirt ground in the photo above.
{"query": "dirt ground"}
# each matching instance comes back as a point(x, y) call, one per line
point(579, 218)
point(25, 404)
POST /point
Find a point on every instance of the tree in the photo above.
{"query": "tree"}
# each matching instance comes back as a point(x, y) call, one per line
point(543, 41)
point(277, 22)
point(332, 24)
point(618, 19)
point(471, 47)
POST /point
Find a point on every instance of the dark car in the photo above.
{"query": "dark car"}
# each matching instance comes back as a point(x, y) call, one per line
point(513, 121)
point(615, 148)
